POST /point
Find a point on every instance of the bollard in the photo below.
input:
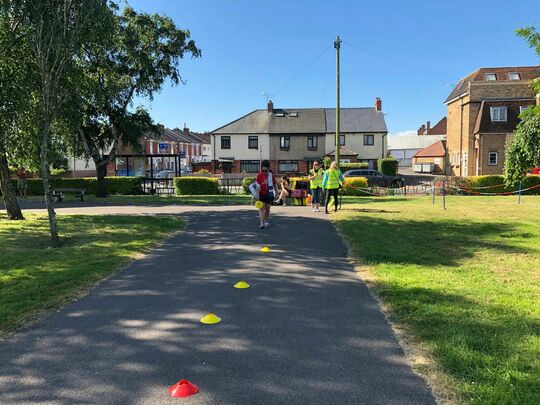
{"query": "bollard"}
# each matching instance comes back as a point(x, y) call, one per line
point(433, 193)
point(444, 194)
point(519, 192)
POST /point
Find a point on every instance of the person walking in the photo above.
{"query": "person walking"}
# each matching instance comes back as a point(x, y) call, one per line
point(332, 181)
point(315, 177)
point(264, 189)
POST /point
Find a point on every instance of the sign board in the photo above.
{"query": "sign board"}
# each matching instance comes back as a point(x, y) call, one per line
point(163, 148)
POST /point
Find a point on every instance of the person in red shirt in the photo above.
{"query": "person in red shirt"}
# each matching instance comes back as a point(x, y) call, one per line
point(267, 186)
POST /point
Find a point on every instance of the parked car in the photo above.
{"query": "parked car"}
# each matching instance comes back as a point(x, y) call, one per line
point(376, 178)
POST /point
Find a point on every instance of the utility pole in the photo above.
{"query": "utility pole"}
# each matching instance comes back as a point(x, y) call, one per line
point(337, 44)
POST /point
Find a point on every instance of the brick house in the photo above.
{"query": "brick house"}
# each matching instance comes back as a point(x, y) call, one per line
point(483, 111)
point(434, 156)
point(292, 139)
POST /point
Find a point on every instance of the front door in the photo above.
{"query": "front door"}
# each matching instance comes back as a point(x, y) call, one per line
point(226, 167)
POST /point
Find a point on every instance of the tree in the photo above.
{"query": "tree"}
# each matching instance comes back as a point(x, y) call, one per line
point(142, 52)
point(13, 81)
point(58, 29)
point(523, 153)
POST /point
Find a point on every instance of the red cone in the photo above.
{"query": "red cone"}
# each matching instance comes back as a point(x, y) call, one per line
point(183, 389)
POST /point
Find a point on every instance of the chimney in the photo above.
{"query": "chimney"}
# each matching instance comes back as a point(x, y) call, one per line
point(378, 104)
point(428, 127)
point(423, 130)
point(186, 129)
point(270, 106)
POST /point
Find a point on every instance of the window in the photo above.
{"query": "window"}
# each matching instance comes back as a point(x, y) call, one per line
point(312, 142)
point(341, 140)
point(249, 166)
point(513, 76)
point(285, 142)
point(523, 108)
point(492, 159)
point(225, 142)
point(369, 140)
point(490, 76)
point(285, 166)
point(498, 114)
point(253, 142)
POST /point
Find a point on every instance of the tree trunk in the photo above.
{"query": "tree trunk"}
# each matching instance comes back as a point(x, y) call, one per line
point(53, 224)
point(101, 172)
point(8, 192)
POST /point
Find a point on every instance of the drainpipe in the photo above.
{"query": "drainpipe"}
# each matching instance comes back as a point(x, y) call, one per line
point(214, 152)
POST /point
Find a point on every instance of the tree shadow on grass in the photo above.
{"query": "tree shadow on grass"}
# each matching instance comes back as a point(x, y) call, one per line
point(428, 243)
point(488, 348)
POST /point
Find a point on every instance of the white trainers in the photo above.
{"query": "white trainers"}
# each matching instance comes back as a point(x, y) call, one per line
point(318, 210)
point(314, 209)
point(266, 224)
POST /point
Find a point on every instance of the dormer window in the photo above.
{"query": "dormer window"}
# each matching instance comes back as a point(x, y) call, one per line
point(498, 114)
point(490, 76)
point(513, 76)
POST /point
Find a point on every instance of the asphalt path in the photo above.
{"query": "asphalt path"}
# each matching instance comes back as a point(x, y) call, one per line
point(307, 331)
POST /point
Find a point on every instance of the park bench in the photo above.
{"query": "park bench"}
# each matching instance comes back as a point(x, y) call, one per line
point(58, 193)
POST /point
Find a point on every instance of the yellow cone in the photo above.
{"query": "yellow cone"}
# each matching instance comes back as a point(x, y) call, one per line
point(265, 249)
point(241, 284)
point(259, 204)
point(210, 319)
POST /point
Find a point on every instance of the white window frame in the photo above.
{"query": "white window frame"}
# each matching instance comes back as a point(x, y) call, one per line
point(498, 113)
point(342, 136)
point(496, 154)
point(510, 75)
point(287, 166)
point(488, 75)
point(523, 108)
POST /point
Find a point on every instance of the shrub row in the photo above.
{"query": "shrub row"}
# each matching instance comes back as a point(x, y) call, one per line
point(474, 184)
point(352, 166)
point(115, 185)
point(196, 185)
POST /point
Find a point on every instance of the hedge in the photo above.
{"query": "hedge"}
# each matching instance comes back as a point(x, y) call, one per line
point(353, 183)
point(115, 185)
point(246, 182)
point(472, 185)
point(388, 166)
point(196, 186)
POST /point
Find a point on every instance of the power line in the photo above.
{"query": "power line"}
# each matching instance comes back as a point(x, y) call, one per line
point(409, 65)
point(288, 82)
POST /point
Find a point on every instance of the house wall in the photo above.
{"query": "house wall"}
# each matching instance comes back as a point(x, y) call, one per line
point(239, 147)
point(298, 147)
point(492, 143)
point(355, 142)
point(500, 89)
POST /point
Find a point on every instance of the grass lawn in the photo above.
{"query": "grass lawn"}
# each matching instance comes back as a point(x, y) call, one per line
point(464, 282)
point(35, 277)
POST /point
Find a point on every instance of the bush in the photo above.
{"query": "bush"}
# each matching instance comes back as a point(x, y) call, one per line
point(196, 186)
point(246, 182)
point(351, 185)
point(115, 185)
point(387, 166)
point(352, 166)
point(202, 171)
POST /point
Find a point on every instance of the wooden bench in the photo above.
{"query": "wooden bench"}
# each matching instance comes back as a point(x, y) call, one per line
point(58, 193)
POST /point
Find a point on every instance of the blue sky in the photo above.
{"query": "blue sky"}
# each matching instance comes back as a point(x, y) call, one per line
point(409, 53)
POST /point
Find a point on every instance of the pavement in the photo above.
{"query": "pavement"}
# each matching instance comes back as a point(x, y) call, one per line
point(307, 331)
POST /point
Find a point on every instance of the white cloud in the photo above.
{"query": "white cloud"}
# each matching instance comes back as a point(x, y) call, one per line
point(405, 133)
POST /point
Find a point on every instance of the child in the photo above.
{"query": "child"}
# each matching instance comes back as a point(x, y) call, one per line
point(285, 190)
point(264, 188)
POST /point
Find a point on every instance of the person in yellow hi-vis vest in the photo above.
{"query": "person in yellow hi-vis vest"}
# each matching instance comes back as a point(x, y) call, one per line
point(315, 183)
point(333, 179)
